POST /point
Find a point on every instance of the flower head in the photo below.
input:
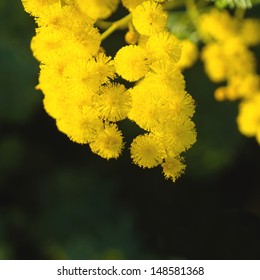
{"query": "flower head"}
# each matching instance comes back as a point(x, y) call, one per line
point(36, 7)
point(149, 18)
point(147, 151)
point(132, 4)
point(108, 142)
point(173, 167)
point(97, 9)
point(249, 117)
point(80, 127)
point(164, 45)
point(131, 63)
point(189, 54)
point(113, 102)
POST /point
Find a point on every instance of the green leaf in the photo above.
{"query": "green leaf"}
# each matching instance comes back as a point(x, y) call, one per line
point(244, 4)
point(180, 25)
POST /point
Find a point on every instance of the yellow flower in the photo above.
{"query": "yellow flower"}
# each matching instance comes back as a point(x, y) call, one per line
point(189, 54)
point(180, 104)
point(131, 63)
point(132, 4)
point(47, 43)
point(84, 77)
point(149, 18)
point(147, 151)
point(249, 117)
point(239, 59)
point(88, 39)
point(156, 105)
point(217, 25)
point(36, 7)
point(50, 42)
point(83, 80)
point(164, 45)
point(131, 37)
point(104, 67)
point(178, 135)
point(239, 87)
point(108, 143)
point(149, 103)
point(55, 104)
point(250, 31)
point(77, 80)
point(97, 9)
point(214, 62)
point(53, 84)
point(113, 102)
point(80, 127)
point(142, 41)
point(226, 59)
point(51, 78)
point(164, 72)
point(246, 86)
point(173, 167)
point(67, 17)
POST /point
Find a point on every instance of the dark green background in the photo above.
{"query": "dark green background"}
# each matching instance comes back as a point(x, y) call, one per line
point(60, 201)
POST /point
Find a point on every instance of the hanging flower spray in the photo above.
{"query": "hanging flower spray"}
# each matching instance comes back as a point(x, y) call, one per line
point(82, 92)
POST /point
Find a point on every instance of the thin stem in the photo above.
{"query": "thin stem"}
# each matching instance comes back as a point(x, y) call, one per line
point(131, 27)
point(123, 23)
point(119, 24)
point(102, 24)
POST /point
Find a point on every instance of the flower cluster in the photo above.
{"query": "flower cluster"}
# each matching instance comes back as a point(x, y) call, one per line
point(227, 58)
point(80, 88)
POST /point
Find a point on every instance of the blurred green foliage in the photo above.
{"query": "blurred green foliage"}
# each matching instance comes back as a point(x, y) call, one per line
point(179, 24)
point(16, 29)
point(244, 4)
point(59, 201)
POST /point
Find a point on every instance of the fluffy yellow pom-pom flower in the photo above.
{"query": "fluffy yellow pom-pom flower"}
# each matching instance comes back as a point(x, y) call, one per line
point(239, 87)
point(178, 135)
point(113, 102)
point(80, 127)
point(97, 9)
point(148, 107)
point(131, 63)
point(83, 80)
point(108, 143)
point(147, 151)
point(77, 79)
point(36, 7)
point(189, 54)
point(249, 117)
point(214, 63)
point(217, 25)
point(149, 18)
point(50, 42)
point(166, 73)
point(250, 31)
point(132, 4)
point(173, 167)
point(164, 45)
point(68, 18)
